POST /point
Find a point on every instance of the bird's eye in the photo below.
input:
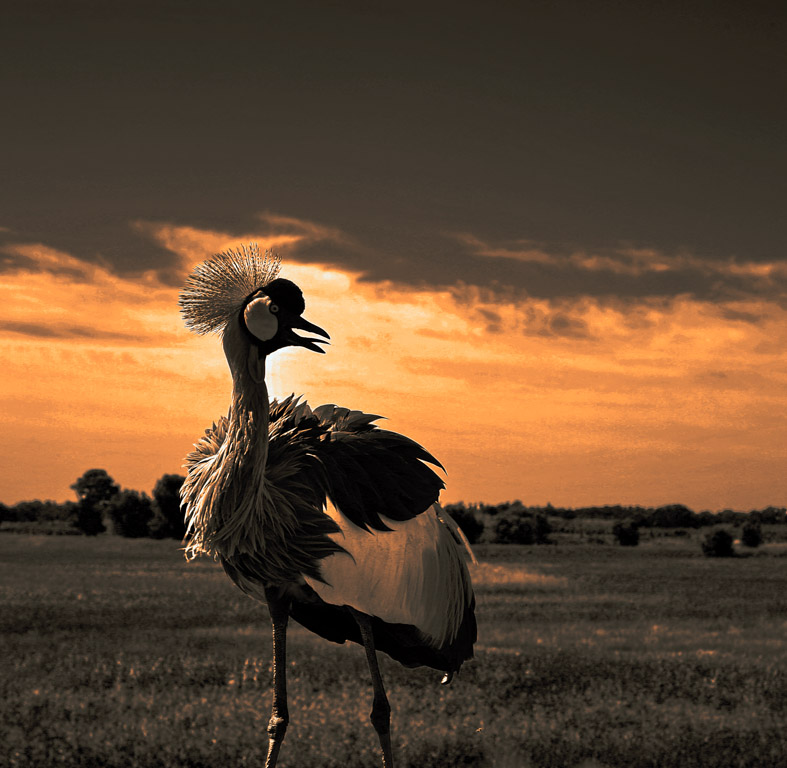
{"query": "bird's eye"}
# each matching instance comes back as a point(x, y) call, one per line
point(274, 308)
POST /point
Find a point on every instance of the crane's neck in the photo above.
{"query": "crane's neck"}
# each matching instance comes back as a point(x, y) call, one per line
point(249, 414)
point(227, 498)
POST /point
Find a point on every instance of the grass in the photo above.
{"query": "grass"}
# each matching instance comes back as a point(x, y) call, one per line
point(119, 653)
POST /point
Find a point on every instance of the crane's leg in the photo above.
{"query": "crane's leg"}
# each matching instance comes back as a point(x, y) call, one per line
point(279, 609)
point(381, 709)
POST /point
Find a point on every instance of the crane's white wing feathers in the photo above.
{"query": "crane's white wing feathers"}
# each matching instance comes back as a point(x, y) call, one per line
point(412, 574)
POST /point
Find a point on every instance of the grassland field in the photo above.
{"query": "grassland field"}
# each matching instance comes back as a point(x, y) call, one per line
point(118, 652)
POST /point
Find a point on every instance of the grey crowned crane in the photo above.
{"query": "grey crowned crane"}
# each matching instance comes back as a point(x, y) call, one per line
point(330, 520)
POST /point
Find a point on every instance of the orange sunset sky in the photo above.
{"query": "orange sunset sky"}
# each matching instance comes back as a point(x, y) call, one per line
point(547, 242)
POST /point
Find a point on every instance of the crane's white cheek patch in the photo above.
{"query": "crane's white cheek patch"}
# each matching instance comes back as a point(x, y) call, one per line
point(260, 320)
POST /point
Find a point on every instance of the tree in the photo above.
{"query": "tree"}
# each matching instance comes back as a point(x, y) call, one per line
point(167, 520)
point(94, 489)
point(130, 512)
point(95, 486)
point(627, 534)
point(718, 544)
point(751, 536)
point(674, 516)
point(465, 518)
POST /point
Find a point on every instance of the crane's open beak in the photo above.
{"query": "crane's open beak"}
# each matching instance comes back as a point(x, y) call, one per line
point(301, 341)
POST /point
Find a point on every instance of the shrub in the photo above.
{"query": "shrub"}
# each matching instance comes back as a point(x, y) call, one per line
point(514, 528)
point(130, 512)
point(751, 536)
point(627, 534)
point(465, 518)
point(542, 529)
point(718, 544)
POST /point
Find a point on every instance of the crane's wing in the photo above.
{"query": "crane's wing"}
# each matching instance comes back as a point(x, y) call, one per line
point(340, 454)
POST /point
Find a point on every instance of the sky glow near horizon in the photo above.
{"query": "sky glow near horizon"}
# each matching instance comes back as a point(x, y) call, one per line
point(547, 239)
point(569, 402)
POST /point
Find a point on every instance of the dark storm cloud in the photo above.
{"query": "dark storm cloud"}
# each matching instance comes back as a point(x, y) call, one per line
point(575, 125)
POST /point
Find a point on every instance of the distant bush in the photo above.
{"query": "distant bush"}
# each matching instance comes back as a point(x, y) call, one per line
point(751, 536)
point(130, 513)
point(718, 544)
point(543, 529)
point(627, 534)
point(465, 518)
point(513, 528)
point(517, 527)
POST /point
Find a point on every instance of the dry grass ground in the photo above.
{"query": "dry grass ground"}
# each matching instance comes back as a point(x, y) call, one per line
point(119, 653)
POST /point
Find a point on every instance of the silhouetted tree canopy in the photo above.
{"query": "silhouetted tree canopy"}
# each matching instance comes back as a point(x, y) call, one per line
point(93, 489)
point(95, 486)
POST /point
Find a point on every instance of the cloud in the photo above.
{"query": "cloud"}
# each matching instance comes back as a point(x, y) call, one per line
point(51, 294)
point(425, 257)
point(68, 332)
point(628, 272)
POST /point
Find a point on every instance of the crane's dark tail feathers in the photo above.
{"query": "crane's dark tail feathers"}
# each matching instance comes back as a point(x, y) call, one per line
point(403, 642)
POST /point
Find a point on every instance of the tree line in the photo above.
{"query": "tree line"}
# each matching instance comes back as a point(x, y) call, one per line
point(101, 503)
point(514, 523)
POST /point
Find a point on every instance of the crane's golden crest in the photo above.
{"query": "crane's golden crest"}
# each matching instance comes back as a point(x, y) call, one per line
point(216, 288)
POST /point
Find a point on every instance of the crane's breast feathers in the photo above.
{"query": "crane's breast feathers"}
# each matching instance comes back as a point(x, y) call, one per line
point(314, 457)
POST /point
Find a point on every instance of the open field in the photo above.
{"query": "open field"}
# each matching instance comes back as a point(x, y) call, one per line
point(118, 653)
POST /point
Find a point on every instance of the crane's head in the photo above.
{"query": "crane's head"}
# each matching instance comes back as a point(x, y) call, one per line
point(240, 295)
point(272, 313)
